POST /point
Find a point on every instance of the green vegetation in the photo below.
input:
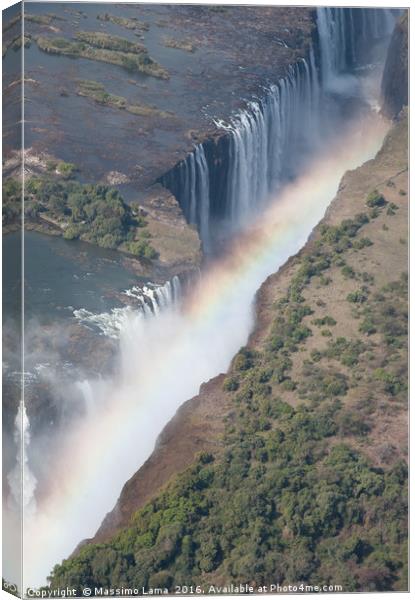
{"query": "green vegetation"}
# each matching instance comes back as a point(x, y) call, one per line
point(280, 506)
point(96, 91)
point(186, 45)
point(392, 384)
point(327, 320)
point(131, 23)
point(359, 296)
point(375, 199)
point(93, 49)
point(110, 42)
point(67, 170)
point(12, 201)
point(289, 497)
point(39, 19)
point(92, 213)
point(387, 314)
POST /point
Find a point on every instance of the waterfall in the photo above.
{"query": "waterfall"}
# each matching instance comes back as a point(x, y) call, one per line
point(152, 298)
point(192, 178)
point(260, 142)
point(86, 391)
point(345, 36)
point(265, 136)
point(223, 183)
point(147, 301)
point(22, 482)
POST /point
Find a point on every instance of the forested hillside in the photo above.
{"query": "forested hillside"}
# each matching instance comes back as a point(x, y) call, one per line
point(310, 481)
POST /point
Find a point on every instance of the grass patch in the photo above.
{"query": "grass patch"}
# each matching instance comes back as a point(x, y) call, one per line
point(131, 23)
point(130, 61)
point(186, 45)
point(97, 92)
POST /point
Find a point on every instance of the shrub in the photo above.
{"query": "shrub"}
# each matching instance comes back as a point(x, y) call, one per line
point(72, 232)
point(348, 272)
point(244, 360)
point(367, 277)
point(392, 384)
point(361, 243)
point(326, 320)
point(109, 240)
point(12, 188)
point(357, 297)
point(51, 165)
point(142, 249)
point(230, 384)
point(375, 199)
point(289, 385)
point(67, 170)
point(325, 280)
point(315, 355)
point(336, 384)
point(368, 326)
point(351, 423)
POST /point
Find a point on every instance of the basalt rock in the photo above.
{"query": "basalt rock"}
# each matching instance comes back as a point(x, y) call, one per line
point(395, 75)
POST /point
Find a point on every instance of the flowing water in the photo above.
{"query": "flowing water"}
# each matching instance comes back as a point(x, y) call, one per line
point(286, 154)
point(269, 140)
point(262, 141)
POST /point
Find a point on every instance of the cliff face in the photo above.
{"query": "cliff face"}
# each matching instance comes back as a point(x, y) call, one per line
point(395, 75)
point(347, 372)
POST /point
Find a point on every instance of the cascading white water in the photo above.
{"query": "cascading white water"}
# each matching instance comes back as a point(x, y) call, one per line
point(22, 482)
point(149, 300)
point(345, 34)
point(202, 195)
point(265, 136)
point(193, 179)
point(262, 140)
point(87, 393)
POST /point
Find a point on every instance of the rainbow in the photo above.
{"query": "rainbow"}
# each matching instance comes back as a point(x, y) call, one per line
point(164, 360)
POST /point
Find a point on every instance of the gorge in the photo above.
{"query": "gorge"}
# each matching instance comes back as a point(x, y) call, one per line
point(255, 189)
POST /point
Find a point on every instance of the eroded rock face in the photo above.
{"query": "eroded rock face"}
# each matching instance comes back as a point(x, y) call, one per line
point(395, 75)
point(176, 242)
